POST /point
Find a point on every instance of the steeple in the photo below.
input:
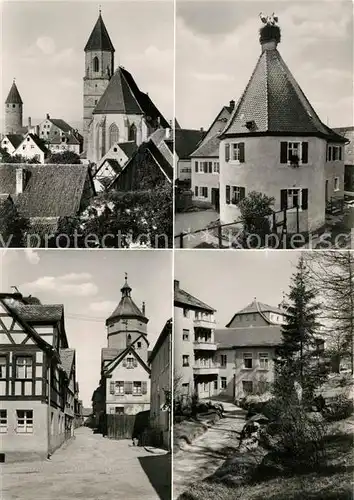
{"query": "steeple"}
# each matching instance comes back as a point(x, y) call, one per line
point(126, 307)
point(13, 111)
point(14, 95)
point(99, 38)
point(126, 290)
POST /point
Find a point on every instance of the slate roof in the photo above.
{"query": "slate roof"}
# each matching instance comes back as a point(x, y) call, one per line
point(99, 38)
point(209, 146)
point(161, 159)
point(127, 309)
point(65, 127)
point(14, 95)
point(67, 358)
point(166, 331)
point(51, 190)
point(36, 313)
point(128, 148)
point(186, 142)
point(181, 297)
point(251, 336)
point(15, 139)
point(109, 353)
point(275, 102)
point(257, 306)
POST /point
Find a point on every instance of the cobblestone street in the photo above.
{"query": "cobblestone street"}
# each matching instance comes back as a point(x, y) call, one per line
point(90, 467)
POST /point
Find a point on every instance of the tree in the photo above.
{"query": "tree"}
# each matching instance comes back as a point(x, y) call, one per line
point(255, 211)
point(297, 356)
point(66, 157)
point(13, 226)
point(332, 273)
point(7, 158)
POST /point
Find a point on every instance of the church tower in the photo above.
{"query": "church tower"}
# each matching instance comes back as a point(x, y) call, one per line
point(13, 111)
point(127, 325)
point(99, 67)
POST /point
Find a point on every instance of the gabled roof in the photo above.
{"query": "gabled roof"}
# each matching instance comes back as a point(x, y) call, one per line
point(14, 95)
point(256, 336)
point(15, 139)
point(260, 308)
point(128, 148)
point(209, 146)
point(166, 332)
point(186, 142)
point(61, 124)
point(67, 357)
point(51, 190)
point(36, 313)
point(183, 298)
point(114, 363)
point(99, 38)
point(274, 102)
point(38, 142)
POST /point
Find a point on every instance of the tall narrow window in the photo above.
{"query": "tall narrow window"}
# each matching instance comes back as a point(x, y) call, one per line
point(24, 367)
point(132, 133)
point(96, 64)
point(113, 134)
point(3, 421)
point(2, 366)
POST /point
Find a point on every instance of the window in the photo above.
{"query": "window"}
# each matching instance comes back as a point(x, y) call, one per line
point(95, 101)
point(2, 366)
point(263, 361)
point(204, 192)
point(137, 388)
point(113, 134)
point(294, 153)
point(3, 421)
point(294, 197)
point(24, 367)
point(196, 190)
point(206, 386)
point(216, 167)
point(186, 313)
point(129, 339)
point(119, 410)
point(196, 165)
point(234, 194)
point(185, 335)
point(247, 386)
point(96, 64)
point(223, 360)
point(24, 421)
point(185, 387)
point(132, 133)
point(119, 388)
point(223, 382)
point(185, 360)
point(138, 345)
point(206, 167)
point(130, 362)
point(215, 384)
point(247, 360)
point(238, 152)
point(334, 153)
point(14, 105)
point(336, 183)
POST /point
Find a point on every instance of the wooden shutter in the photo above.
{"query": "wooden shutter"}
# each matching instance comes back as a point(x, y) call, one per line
point(242, 193)
point(111, 387)
point(205, 164)
point(329, 153)
point(196, 166)
point(144, 387)
point(128, 387)
point(227, 152)
point(228, 195)
point(283, 199)
point(305, 199)
point(283, 152)
point(210, 167)
point(305, 152)
point(340, 152)
point(241, 147)
point(196, 190)
point(206, 192)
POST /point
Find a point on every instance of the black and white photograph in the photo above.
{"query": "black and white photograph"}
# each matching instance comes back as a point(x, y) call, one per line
point(86, 124)
point(85, 384)
point(264, 156)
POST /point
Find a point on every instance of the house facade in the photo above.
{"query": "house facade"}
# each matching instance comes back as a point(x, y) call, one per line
point(194, 345)
point(37, 376)
point(10, 142)
point(348, 133)
point(275, 143)
point(59, 136)
point(31, 147)
point(160, 362)
point(186, 141)
point(125, 374)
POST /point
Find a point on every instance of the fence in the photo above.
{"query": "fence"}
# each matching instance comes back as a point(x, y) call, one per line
point(120, 426)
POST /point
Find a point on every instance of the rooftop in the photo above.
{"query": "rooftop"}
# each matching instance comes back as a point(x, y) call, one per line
point(99, 38)
point(14, 95)
point(256, 336)
point(183, 298)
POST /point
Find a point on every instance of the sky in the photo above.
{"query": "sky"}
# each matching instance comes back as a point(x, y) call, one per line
point(234, 279)
point(43, 48)
point(88, 283)
point(217, 48)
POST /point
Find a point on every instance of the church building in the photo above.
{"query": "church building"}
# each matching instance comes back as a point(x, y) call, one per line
point(115, 110)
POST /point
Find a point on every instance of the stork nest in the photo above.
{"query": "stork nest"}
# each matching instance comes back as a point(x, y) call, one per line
point(269, 32)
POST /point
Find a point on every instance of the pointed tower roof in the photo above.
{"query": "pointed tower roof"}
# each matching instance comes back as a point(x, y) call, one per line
point(273, 101)
point(99, 38)
point(14, 95)
point(127, 307)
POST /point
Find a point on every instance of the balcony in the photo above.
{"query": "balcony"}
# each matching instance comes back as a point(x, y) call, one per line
point(204, 345)
point(211, 369)
point(204, 323)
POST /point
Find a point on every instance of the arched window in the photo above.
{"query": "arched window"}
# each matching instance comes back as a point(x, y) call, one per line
point(129, 339)
point(96, 64)
point(132, 133)
point(113, 134)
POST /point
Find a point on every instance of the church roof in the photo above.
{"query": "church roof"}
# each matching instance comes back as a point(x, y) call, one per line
point(14, 95)
point(273, 102)
point(99, 38)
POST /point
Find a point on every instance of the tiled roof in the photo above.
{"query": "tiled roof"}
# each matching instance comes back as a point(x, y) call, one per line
point(15, 139)
point(161, 159)
point(51, 190)
point(251, 336)
point(109, 353)
point(186, 299)
point(166, 331)
point(65, 127)
point(210, 148)
point(36, 313)
point(99, 38)
point(257, 306)
point(186, 142)
point(130, 349)
point(274, 101)
point(126, 309)
point(67, 358)
point(128, 148)
point(14, 95)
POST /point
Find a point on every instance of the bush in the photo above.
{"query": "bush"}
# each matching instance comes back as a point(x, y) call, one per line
point(339, 408)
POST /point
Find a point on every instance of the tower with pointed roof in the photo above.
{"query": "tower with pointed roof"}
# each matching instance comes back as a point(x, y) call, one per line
point(13, 111)
point(99, 67)
point(275, 143)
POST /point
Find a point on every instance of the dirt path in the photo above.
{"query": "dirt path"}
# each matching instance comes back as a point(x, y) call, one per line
point(208, 452)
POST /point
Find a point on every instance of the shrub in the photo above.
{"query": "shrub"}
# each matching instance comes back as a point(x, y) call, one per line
point(339, 408)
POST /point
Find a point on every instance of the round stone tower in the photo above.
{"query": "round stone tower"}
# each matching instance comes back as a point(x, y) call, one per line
point(13, 111)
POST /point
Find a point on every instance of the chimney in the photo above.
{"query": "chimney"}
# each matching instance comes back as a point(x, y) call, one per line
point(176, 285)
point(48, 116)
point(232, 105)
point(201, 129)
point(143, 308)
point(29, 123)
point(168, 133)
point(20, 180)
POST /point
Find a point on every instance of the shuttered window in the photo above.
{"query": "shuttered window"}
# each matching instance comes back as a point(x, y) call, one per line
point(111, 387)
point(144, 387)
point(228, 195)
point(294, 197)
point(196, 166)
point(196, 190)
point(238, 152)
point(305, 152)
point(128, 387)
point(227, 152)
point(294, 152)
